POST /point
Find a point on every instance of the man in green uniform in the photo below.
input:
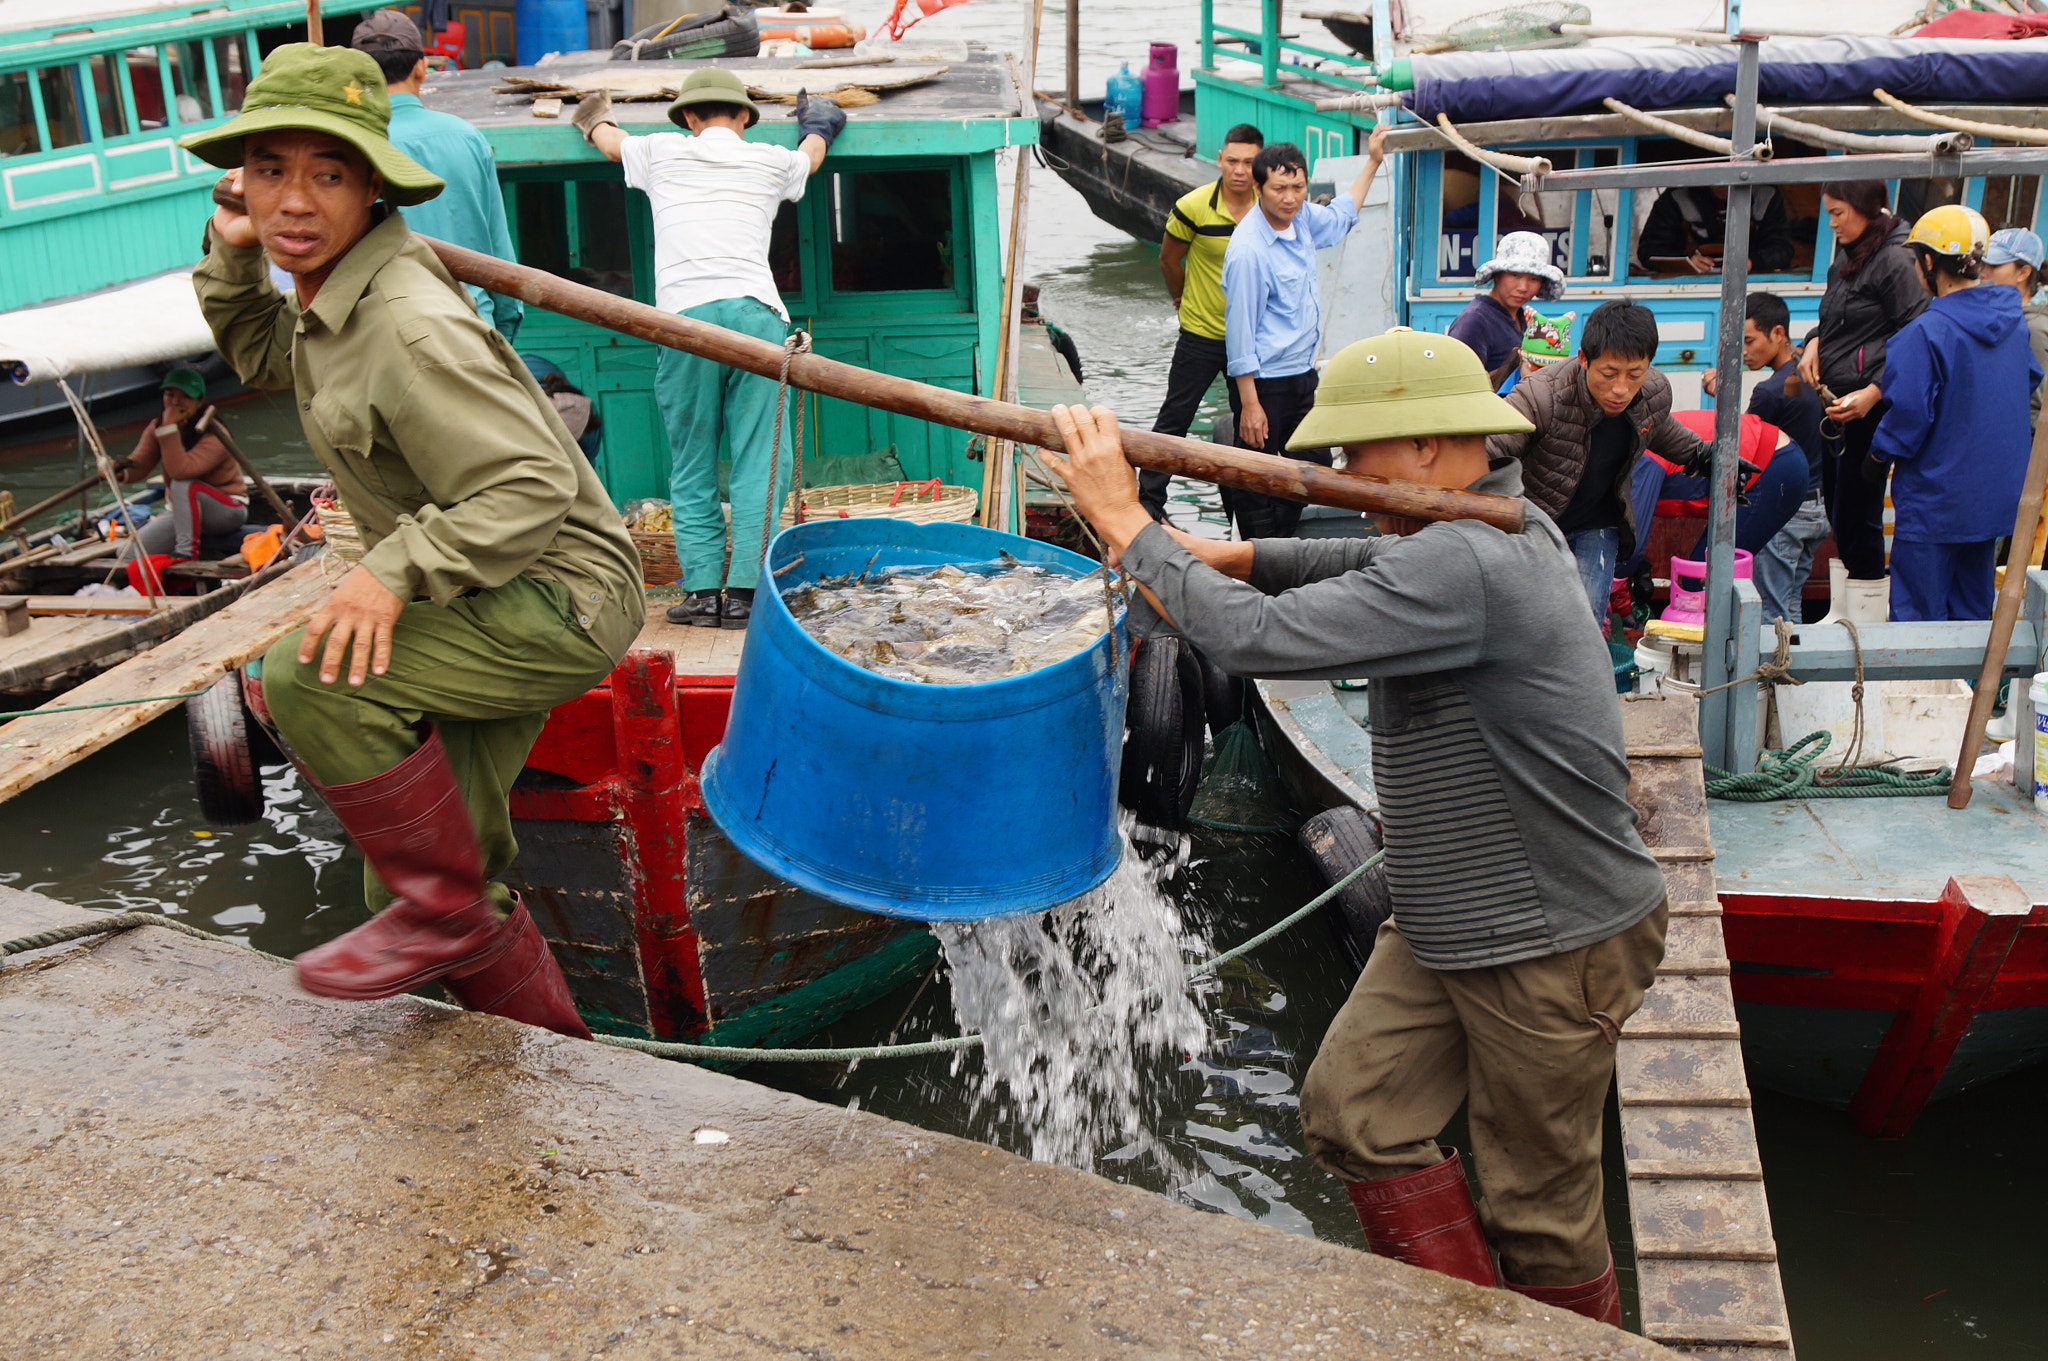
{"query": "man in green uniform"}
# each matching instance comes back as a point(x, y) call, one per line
point(497, 580)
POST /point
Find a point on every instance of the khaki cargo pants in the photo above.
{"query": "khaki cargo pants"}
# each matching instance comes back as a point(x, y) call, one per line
point(1526, 1046)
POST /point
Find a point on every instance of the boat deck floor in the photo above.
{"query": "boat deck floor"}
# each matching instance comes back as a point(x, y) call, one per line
point(1879, 848)
point(701, 654)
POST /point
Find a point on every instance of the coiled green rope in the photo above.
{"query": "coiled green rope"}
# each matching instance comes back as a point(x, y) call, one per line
point(122, 921)
point(1790, 774)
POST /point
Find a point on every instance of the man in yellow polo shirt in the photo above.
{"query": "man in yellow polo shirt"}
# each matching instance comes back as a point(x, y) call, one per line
point(1191, 258)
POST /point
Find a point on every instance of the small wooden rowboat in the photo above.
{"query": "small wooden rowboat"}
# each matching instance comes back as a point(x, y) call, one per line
point(664, 930)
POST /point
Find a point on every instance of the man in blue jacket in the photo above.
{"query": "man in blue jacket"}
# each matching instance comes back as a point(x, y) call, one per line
point(1955, 434)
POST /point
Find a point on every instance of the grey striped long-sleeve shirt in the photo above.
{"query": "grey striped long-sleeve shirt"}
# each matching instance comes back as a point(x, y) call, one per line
point(1496, 738)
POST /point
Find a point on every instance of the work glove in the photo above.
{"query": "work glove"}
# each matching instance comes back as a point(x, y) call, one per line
point(1701, 465)
point(593, 110)
point(818, 117)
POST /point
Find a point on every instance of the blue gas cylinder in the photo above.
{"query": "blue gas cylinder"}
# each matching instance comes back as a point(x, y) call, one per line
point(934, 802)
point(1126, 96)
point(544, 26)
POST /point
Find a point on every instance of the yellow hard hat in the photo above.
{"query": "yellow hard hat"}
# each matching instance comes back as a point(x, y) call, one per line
point(1951, 229)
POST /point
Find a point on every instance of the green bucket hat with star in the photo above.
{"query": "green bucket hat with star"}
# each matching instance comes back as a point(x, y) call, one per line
point(1404, 385)
point(335, 90)
point(712, 85)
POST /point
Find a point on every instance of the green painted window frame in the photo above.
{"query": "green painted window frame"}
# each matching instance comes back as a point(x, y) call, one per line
point(830, 301)
point(639, 228)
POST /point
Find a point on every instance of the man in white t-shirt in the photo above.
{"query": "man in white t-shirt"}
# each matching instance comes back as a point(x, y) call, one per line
point(715, 198)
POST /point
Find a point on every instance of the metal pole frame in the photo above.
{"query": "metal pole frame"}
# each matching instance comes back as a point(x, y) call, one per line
point(1722, 745)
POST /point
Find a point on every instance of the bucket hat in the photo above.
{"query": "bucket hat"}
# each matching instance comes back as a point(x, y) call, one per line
point(2015, 244)
point(712, 85)
point(185, 380)
point(1400, 385)
point(335, 90)
point(1524, 253)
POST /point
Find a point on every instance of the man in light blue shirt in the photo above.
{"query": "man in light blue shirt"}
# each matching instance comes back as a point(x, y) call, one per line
point(1272, 320)
point(471, 210)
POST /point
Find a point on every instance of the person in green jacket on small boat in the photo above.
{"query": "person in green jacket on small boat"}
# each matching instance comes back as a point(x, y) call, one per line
point(497, 579)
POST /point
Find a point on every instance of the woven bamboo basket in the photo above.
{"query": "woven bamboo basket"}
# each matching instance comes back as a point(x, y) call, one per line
point(658, 564)
point(929, 502)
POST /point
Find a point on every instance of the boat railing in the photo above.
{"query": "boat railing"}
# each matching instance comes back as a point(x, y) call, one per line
point(1946, 650)
point(1266, 45)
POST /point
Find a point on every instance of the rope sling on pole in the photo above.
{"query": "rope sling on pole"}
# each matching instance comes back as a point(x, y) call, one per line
point(717, 1053)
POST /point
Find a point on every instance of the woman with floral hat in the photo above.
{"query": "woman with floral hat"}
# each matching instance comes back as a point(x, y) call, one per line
point(1493, 323)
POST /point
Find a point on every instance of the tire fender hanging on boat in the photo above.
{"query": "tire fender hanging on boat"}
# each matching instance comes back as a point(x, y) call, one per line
point(225, 769)
point(1339, 841)
point(1163, 721)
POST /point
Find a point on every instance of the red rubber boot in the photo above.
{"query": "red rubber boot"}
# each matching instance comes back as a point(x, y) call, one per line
point(1426, 1218)
point(525, 984)
point(1599, 1298)
point(411, 825)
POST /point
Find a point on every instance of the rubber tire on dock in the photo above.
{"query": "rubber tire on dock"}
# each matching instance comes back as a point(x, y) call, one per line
point(1339, 841)
point(224, 765)
point(1162, 761)
point(1222, 695)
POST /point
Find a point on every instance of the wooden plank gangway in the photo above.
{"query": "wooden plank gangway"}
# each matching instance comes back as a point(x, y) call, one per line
point(1706, 1261)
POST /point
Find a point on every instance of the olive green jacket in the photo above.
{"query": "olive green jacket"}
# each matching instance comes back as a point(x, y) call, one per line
point(458, 472)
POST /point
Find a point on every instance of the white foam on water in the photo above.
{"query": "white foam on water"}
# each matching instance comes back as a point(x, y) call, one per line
point(1082, 1008)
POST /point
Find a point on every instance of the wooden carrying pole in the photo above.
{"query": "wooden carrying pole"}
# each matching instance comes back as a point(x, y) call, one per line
point(315, 30)
point(1285, 478)
point(2003, 616)
point(1282, 477)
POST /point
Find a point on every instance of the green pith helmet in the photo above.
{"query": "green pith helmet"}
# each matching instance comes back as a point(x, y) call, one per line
point(1401, 385)
point(186, 381)
point(335, 90)
point(712, 85)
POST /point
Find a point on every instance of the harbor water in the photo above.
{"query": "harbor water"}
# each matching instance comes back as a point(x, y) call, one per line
point(1923, 1248)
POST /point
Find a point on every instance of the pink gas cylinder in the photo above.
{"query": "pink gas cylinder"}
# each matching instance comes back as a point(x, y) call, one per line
point(1162, 85)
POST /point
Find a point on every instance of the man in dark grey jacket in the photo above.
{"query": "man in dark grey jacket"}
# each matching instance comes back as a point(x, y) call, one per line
point(1528, 918)
point(1592, 417)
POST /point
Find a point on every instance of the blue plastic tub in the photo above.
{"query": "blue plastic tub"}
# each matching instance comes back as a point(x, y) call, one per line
point(935, 802)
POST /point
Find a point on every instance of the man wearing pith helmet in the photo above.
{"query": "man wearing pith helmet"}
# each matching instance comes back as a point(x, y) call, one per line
point(497, 580)
point(1528, 918)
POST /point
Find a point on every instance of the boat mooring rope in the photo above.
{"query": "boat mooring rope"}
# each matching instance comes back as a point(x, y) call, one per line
point(103, 704)
point(717, 1053)
point(1789, 774)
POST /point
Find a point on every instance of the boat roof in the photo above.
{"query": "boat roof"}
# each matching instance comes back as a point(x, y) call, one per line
point(58, 30)
point(973, 105)
point(149, 321)
point(1430, 19)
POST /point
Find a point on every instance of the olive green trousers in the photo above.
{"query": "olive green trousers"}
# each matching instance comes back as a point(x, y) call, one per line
point(483, 670)
point(1525, 1045)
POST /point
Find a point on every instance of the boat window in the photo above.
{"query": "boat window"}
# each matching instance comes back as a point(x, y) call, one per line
point(785, 258)
point(1556, 216)
point(2010, 200)
point(106, 88)
point(541, 217)
point(1460, 221)
point(1665, 219)
point(145, 80)
point(18, 135)
point(191, 91)
point(604, 259)
point(1920, 196)
point(61, 113)
point(231, 71)
point(892, 230)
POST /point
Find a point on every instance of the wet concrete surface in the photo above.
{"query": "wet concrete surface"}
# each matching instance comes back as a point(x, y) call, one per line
point(198, 1160)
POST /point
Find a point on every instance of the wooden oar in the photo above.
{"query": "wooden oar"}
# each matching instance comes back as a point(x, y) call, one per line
point(2003, 616)
point(1285, 478)
point(207, 423)
point(23, 517)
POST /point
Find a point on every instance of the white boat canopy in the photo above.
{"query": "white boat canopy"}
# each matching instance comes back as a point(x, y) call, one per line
point(150, 321)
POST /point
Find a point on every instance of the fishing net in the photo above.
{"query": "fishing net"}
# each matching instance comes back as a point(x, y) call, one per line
point(1516, 26)
point(1240, 790)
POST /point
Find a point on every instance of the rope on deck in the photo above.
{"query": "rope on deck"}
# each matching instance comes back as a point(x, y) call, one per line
point(726, 1053)
point(1790, 774)
point(103, 704)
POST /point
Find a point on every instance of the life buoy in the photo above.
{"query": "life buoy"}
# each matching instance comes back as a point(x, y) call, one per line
point(1163, 718)
point(1339, 841)
point(815, 28)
